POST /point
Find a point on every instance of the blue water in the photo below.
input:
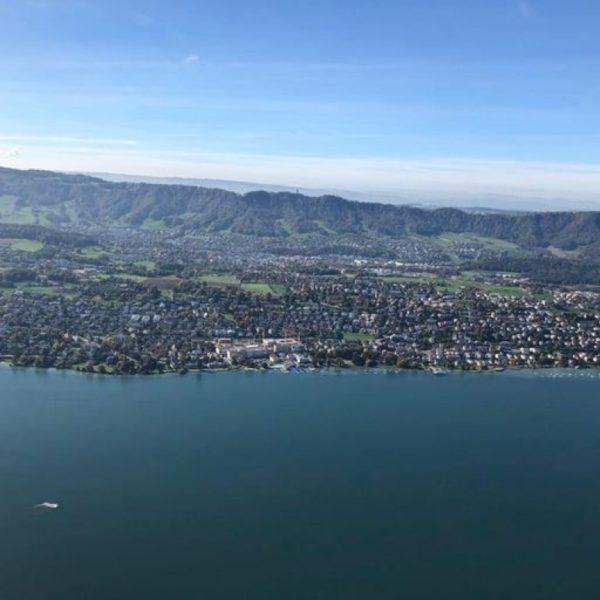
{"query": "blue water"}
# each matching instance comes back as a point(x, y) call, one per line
point(252, 486)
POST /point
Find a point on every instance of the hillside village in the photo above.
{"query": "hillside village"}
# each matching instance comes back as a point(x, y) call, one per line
point(121, 298)
point(129, 324)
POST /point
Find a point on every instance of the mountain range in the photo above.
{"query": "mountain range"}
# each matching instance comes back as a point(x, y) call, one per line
point(58, 199)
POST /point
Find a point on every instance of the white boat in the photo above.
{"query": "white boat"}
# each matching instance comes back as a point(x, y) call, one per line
point(438, 371)
point(49, 505)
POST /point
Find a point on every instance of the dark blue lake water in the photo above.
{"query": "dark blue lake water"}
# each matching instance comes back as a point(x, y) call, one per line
point(250, 486)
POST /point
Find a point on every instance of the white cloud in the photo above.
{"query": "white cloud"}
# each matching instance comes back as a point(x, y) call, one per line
point(9, 152)
point(190, 59)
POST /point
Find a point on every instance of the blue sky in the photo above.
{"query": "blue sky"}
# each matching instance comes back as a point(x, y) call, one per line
point(456, 97)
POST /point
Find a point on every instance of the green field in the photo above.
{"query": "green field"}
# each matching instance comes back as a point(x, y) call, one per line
point(22, 245)
point(455, 283)
point(93, 252)
point(220, 279)
point(152, 225)
point(40, 290)
point(420, 279)
point(447, 239)
point(257, 288)
point(263, 289)
point(9, 213)
point(504, 290)
point(130, 277)
point(7, 204)
point(473, 279)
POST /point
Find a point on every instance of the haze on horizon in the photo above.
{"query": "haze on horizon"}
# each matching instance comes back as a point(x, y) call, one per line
point(449, 102)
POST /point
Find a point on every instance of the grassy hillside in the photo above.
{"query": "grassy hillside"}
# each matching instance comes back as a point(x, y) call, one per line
point(46, 198)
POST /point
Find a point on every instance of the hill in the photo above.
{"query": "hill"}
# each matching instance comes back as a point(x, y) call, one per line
point(57, 199)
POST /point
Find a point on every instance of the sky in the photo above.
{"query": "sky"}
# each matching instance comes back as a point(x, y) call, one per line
point(447, 99)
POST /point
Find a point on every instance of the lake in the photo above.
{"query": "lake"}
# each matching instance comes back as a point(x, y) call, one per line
point(263, 486)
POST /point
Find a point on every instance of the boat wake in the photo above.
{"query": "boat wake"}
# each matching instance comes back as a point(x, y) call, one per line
point(49, 505)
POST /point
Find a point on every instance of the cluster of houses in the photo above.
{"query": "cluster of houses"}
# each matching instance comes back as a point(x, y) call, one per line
point(279, 352)
point(324, 309)
point(321, 321)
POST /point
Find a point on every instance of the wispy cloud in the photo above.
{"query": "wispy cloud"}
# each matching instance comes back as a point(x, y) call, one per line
point(49, 139)
point(166, 62)
point(190, 59)
point(109, 65)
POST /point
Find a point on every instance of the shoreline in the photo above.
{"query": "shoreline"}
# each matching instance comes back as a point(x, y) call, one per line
point(595, 371)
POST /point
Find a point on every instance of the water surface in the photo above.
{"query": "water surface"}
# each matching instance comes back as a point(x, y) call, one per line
point(252, 486)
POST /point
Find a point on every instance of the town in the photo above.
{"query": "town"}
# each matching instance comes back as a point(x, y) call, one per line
point(143, 303)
